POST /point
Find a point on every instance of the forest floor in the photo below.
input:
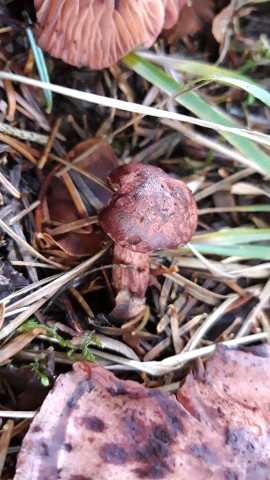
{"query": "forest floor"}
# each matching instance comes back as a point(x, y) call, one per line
point(55, 273)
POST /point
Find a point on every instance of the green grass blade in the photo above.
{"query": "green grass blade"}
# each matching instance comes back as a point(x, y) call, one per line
point(234, 236)
point(200, 69)
point(249, 87)
point(212, 72)
point(237, 208)
point(259, 252)
point(259, 160)
point(40, 64)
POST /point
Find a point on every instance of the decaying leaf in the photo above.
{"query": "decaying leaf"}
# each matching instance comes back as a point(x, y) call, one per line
point(193, 18)
point(10, 280)
point(72, 198)
point(26, 386)
point(95, 426)
point(223, 21)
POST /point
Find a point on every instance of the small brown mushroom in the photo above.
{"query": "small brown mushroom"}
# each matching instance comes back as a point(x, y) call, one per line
point(97, 33)
point(149, 211)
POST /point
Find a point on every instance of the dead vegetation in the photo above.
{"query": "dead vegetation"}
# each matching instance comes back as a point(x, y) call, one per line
point(55, 279)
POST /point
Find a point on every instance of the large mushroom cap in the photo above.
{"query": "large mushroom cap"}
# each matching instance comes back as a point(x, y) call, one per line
point(97, 33)
point(150, 209)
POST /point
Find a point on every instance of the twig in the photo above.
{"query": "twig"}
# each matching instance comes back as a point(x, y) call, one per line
point(23, 134)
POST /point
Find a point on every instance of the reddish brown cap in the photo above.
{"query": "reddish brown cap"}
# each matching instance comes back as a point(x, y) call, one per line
point(150, 209)
point(97, 33)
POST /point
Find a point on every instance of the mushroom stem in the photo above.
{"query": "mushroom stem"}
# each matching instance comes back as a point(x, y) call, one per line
point(131, 277)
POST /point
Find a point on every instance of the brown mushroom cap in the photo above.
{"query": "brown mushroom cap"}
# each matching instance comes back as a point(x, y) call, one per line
point(97, 33)
point(150, 209)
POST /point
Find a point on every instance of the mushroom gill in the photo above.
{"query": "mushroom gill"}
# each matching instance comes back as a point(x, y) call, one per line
point(97, 33)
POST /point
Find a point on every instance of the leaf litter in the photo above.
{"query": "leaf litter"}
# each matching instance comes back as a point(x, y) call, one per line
point(57, 263)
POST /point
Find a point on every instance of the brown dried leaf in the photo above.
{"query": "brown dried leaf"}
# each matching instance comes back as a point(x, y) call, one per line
point(100, 162)
point(103, 427)
point(224, 19)
point(62, 205)
point(17, 344)
point(20, 147)
point(193, 18)
point(5, 438)
point(26, 386)
point(221, 23)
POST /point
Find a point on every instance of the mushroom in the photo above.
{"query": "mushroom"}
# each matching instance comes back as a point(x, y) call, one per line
point(150, 210)
point(97, 33)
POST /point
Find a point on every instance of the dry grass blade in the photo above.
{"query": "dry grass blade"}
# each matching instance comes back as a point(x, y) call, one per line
point(82, 172)
point(16, 414)
point(2, 314)
point(9, 187)
point(201, 293)
point(209, 323)
point(176, 362)
point(72, 226)
point(223, 183)
point(4, 442)
point(25, 290)
point(20, 147)
point(23, 134)
point(18, 321)
point(207, 141)
point(51, 139)
point(28, 247)
point(214, 268)
point(11, 97)
point(17, 344)
point(252, 317)
point(24, 212)
point(45, 293)
point(136, 108)
point(233, 270)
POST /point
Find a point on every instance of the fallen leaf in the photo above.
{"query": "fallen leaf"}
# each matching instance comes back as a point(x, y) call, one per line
point(28, 391)
point(62, 205)
point(103, 427)
point(193, 18)
point(10, 280)
point(222, 22)
point(224, 19)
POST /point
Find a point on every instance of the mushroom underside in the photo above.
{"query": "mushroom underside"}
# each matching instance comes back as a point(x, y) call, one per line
point(94, 33)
